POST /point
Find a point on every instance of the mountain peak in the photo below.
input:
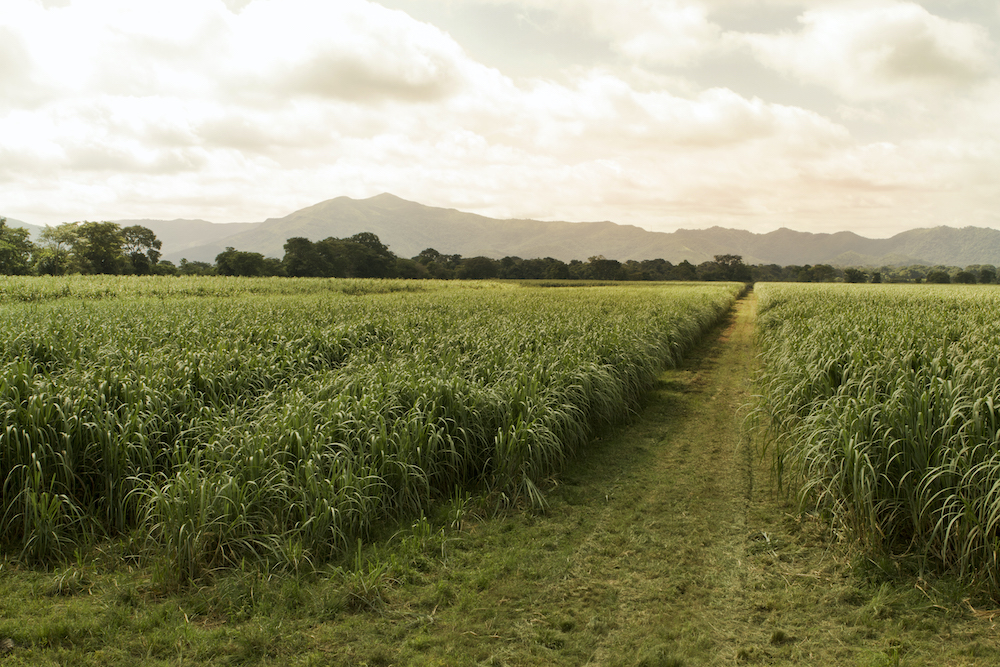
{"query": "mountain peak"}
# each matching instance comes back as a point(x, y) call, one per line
point(408, 228)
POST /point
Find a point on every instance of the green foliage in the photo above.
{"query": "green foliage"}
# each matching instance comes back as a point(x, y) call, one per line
point(885, 405)
point(360, 256)
point(142, 249)
point(854, 276)
point(938, 277)
point(97, 248)
point(234, 419)
point(15, 249)
point(232, 262)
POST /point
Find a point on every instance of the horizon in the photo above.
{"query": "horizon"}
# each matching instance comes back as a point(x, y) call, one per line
point(582, 222)
point(819, 116)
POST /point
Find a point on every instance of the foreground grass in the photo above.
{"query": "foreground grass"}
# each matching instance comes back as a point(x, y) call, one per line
point(664, 543)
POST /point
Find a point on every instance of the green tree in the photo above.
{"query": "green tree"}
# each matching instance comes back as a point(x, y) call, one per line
point(54, 255)
point(411, 269)
point(479, 268)
point(141, 247)
point(165, 268)
point(233, 262)
point(601, 268)
point(368, 257)
point(853, 275)
point(684, 271)
point(939, 277)
point(711, 271)
point(439, 266)
point(733, 268)
point(305, 259)
point(965, 278)
point(98, 247)
point(188, 268)
point(824, 273)
point(15, 249)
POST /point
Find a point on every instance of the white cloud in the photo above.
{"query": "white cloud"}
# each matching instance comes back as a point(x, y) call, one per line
point(866, 51)
point(351, 49)
point(673, 33)
point(244, 110)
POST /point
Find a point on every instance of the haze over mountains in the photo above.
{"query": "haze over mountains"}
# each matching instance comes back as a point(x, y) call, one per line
point(408, 228)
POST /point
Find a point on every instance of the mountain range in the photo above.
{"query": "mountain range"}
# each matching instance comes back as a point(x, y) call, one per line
point(409, 227)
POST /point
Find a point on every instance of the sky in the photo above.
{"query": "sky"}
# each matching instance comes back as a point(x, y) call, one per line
point(873, 116)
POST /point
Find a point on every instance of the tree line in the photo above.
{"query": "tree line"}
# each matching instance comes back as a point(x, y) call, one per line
point(80, 247)
point(106, 247)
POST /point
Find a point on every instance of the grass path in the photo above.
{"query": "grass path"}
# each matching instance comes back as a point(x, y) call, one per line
point(664, 545)
point(688, 510)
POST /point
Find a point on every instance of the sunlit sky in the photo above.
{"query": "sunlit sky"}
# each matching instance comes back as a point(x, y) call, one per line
point(875, 116)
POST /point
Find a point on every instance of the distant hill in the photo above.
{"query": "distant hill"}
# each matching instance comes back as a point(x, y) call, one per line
point(408, 228)
point(34, 229)
point(179, 236)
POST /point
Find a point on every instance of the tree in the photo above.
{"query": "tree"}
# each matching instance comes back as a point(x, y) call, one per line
point(98, 247)
point(165, 268)
point(478, 268)
point(304, 259)
point(987, 274)
point(767, 273)
point(556, 269)
point(428, 255)
point(233, 262)
point(365, 261)
point(600, 268)
point(853, 275)
point(411, 269)
point(938, 276)
point(711, 271)
point(54, 255)
point(439, 266)
point(372, 242)
point(188, 268)
point(965, 278)
point(684, 271)
point(141, 247)
point(823, 273)
point(733, 268)
point(15, 249)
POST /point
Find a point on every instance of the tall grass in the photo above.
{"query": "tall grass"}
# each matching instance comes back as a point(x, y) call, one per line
point(884, 403)
point(253, 423)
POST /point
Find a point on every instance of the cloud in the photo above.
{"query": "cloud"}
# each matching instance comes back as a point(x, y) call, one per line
point(350, 49)
point(671, 33)
point(663, 32)
point(866, 51)
point(244, 110)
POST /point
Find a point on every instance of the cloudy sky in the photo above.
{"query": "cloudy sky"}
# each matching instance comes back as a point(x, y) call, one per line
point(875, 116)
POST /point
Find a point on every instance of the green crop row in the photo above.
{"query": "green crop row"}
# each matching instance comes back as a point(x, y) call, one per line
point(255, 423)
point(884, 409)
point(15, 289)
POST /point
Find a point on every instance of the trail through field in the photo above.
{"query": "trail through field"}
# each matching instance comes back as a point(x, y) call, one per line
point(682, 516)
